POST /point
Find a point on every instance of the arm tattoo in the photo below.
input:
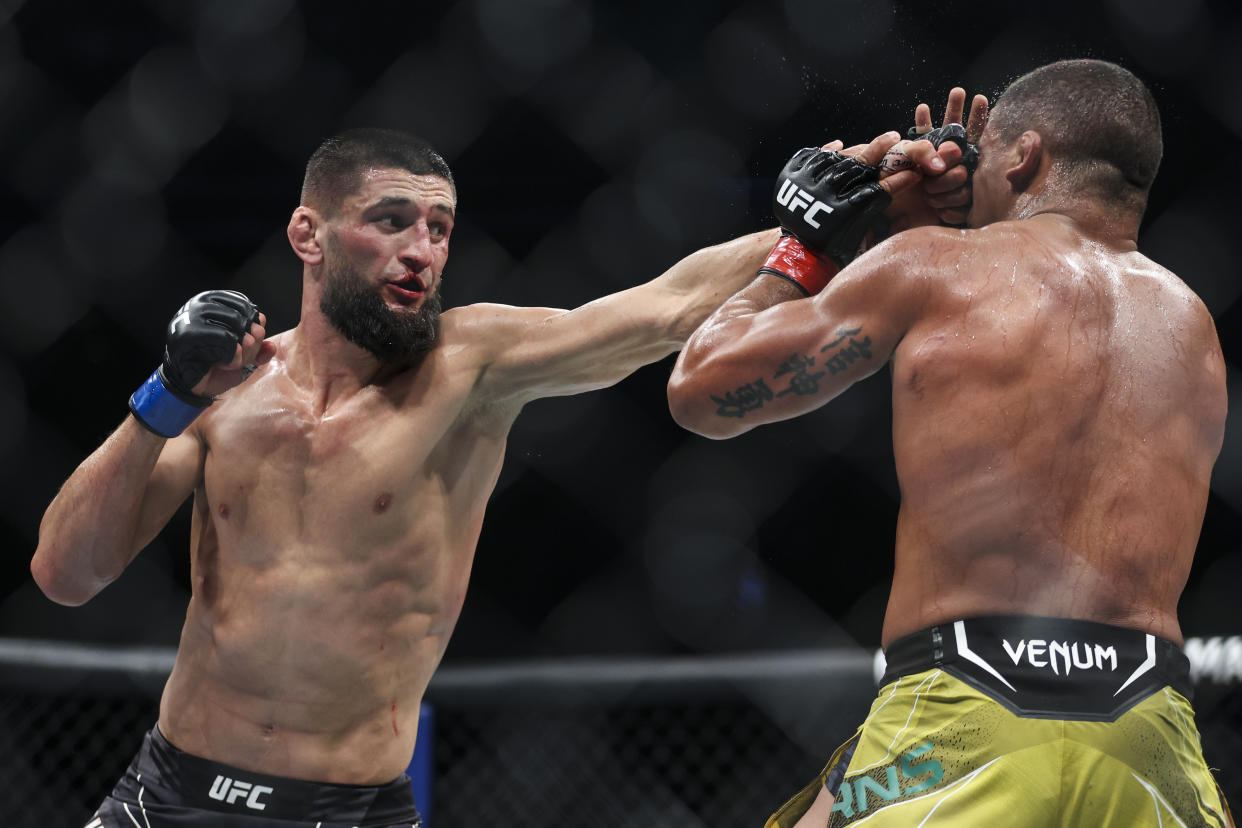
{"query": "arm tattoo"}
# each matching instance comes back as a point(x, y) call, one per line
point(748, 397)
point(843, 358)
point(803, 380)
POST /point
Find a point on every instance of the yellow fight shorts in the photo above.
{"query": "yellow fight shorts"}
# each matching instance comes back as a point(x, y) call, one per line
point(1024, 721)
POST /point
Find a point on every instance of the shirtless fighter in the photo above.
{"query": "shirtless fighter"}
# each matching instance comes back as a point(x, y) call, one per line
point(338, 491)
point(1058, 404)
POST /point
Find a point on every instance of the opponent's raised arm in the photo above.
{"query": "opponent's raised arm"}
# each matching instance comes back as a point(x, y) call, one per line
point(802, 332)
point(119, 498)
point(542, 352)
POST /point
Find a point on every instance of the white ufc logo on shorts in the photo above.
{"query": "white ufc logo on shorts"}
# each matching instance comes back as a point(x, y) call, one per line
point(795, 198)
point(231, 790)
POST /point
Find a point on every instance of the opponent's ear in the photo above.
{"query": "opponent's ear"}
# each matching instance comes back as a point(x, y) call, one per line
point(303, 235)
point(1029, 152)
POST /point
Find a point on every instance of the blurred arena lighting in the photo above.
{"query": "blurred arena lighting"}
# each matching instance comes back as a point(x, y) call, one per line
point(683, 186)
point(50, 282)
point(228, 19)
point(534, 36)
point(13, 410)
point(841, 28)
point(112, 233)
point(1154, 19)
point(764, 85)
point(175, 108)
point(154, 148)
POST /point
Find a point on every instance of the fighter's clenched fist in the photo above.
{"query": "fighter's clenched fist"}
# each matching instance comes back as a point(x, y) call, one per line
point(210, 342)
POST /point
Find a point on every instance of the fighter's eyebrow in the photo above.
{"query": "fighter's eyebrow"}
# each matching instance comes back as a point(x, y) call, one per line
point(390, 201)
point(401, 201)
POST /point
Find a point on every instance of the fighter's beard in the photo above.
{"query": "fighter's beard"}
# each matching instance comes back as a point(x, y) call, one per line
point(356, 309)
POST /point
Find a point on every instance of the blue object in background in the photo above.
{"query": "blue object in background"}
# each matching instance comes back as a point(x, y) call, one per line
point(421, 769)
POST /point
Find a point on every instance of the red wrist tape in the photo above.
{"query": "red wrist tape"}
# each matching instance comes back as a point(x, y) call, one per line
point(791, 260)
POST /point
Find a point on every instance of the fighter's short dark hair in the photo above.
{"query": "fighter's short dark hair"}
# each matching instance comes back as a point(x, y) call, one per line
point(336, 168)
point(1095, 117)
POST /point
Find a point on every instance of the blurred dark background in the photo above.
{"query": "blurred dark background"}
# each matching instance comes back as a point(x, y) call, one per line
point(150, 150)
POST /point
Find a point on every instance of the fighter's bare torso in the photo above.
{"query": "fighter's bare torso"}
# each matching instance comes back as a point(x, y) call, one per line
point(1058, 403)
point(338, 498)
point(1058, 406)
point(330, 554)
point(335, 517)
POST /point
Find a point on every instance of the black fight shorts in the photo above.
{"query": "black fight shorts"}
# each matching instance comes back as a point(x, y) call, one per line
point(167, 788)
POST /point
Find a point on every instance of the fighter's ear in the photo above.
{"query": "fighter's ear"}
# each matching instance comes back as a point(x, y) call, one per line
point(303, 233)
point(1028, 157)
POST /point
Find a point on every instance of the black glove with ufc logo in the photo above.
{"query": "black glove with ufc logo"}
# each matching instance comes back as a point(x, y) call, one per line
point(826, 203)
point(204, 332)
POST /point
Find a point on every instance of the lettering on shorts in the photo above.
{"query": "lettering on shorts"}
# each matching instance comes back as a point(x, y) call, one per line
point(224, 789)
point(800, 373)
point(1061, 656)
point(905, 777)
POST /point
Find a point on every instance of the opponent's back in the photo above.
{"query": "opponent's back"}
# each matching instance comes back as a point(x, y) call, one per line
point(1058, 407)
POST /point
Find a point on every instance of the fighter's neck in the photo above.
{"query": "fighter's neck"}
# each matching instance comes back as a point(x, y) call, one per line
point(321, 360)
point(1089, 217)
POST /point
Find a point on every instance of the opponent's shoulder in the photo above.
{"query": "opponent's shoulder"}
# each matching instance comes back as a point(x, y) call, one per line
point(1164, 289)
point(1194, 310)
point(925, 248)
point(1195, 329)
point(908, 266)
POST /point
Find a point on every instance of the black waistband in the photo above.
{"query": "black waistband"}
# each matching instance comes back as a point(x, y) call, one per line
point(171, 775)
point(1057, 668)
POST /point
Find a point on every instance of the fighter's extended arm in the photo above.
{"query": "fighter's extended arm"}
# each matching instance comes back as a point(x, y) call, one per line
point(803, 332)
point(542, 352)
point(116, 501)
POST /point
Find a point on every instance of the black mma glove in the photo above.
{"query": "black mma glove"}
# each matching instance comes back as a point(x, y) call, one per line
point(957, 134)
point(825, 203)
point(204, 332)
point(950, 132)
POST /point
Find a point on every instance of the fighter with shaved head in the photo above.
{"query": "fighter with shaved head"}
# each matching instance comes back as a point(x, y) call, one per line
point(1058, 404)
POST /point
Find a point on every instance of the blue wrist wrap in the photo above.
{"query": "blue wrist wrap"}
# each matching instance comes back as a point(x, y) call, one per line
point(160, 410)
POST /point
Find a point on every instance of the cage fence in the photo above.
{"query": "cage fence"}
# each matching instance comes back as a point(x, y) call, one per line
point(701, 741)
point(679, 742)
